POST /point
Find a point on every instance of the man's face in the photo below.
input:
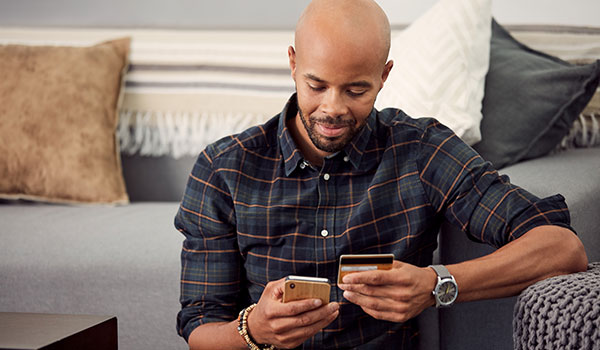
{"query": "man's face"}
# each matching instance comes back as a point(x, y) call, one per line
point(336, 88)
point(330, 129)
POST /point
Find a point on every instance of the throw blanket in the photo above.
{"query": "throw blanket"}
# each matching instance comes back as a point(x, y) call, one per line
point(185, 89)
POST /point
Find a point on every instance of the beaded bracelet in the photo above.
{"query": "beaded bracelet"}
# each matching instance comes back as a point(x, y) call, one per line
point(243, 330)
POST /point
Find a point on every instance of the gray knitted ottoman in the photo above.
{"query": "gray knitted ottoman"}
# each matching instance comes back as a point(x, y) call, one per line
point(561, 312)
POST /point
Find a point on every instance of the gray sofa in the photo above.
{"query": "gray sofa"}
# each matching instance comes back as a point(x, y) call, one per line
point(124, 260)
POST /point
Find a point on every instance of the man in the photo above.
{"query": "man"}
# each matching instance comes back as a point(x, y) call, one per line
point(330, 176)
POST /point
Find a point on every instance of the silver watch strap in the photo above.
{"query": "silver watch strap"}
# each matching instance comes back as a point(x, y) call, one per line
point(441, 271)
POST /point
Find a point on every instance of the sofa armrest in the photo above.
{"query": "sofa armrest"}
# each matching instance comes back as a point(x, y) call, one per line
point(574, 174)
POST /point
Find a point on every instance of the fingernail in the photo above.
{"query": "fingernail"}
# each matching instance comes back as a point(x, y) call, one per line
point(317, 302)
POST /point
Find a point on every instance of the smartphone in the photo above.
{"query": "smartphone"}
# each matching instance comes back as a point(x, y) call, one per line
point(302, 287)
point(350, 263)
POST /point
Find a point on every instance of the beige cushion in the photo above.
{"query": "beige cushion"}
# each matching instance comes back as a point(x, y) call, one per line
point(58, 116)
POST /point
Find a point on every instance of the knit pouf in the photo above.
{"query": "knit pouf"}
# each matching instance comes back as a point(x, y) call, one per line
point(561, 312)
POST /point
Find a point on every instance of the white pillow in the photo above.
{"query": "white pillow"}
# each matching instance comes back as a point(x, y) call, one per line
point(440, 63)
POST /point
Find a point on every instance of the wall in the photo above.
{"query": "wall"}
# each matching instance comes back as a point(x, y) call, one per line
point(574, 12)
point(257, 14)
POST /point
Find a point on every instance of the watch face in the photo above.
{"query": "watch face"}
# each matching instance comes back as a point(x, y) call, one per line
point(447, 292)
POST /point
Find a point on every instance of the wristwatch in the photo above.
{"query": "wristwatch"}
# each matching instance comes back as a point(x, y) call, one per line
point(446, 289)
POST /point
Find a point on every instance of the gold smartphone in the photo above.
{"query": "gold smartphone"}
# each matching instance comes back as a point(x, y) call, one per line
point(302, 287)
point(350, 263)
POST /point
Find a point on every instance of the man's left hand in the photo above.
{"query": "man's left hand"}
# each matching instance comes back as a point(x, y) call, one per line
point(395, 295)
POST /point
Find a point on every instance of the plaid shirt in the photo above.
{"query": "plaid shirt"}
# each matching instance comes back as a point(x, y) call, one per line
point(254, 211)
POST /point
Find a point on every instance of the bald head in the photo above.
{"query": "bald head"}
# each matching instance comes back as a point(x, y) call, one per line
point(356, 24)
point(339, 66)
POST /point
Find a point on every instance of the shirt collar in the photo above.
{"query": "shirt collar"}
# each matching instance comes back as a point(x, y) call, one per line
point(354, 150)
point(291, 153)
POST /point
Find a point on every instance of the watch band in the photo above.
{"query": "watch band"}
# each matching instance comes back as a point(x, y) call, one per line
point(441, 271)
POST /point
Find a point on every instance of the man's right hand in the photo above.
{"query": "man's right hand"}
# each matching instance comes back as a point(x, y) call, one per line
point(287, 325)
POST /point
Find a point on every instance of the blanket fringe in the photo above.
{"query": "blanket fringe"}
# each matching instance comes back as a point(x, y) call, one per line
point(584, 133)
point(178, 134)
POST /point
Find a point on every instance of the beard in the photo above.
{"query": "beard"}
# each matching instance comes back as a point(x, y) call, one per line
point(326, 143)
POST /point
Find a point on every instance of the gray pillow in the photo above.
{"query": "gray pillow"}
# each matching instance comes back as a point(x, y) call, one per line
point(531, 100)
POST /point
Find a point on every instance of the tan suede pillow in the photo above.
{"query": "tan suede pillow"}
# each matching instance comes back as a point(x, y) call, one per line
point(58, 116)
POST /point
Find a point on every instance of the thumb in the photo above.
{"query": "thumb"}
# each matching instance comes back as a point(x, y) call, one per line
point(277, 290)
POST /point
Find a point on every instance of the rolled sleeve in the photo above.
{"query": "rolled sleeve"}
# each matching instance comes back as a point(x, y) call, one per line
point(470, 193)
point(210, 260)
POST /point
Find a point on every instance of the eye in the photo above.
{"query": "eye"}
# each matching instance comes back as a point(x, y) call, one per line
point(356, 93)
point(316, 88)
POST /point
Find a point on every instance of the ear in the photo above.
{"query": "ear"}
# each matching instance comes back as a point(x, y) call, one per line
point(292, 61)
point(386, 71)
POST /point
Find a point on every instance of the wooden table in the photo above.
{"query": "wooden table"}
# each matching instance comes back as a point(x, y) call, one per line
point(29, 331)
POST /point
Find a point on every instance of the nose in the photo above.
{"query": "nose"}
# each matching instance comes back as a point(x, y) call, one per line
point(333, 104)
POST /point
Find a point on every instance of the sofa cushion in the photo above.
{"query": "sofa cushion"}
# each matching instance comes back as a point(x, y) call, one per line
point(57, 122)
point(121, 261)
point(531, 100)
point(440, 62)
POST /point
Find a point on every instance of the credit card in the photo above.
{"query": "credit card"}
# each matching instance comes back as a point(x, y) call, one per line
point(351, 263)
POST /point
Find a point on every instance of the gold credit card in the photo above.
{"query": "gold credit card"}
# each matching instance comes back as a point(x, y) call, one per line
point(351, 263)
point(302, 287)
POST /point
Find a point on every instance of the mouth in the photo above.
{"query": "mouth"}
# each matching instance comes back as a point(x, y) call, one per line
point(330, 130)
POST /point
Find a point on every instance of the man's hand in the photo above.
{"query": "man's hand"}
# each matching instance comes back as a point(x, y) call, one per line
point(287, 325)
point(395, 295)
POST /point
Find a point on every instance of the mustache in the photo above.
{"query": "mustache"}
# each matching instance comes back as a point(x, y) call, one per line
point(333, 121)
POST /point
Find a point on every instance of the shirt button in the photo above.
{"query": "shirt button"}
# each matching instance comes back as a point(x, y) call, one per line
point(302, 165)
point(324, 233)
point(326, 177)
point(346, 159)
